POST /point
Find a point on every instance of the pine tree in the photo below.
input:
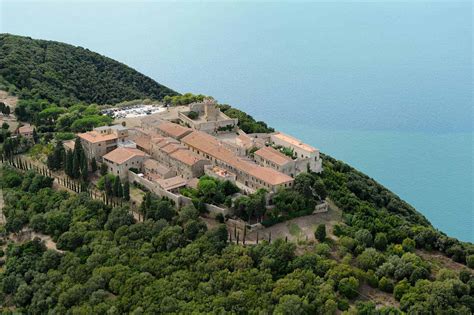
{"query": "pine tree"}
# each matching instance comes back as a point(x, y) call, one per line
point(93, 165)
point(126, 191)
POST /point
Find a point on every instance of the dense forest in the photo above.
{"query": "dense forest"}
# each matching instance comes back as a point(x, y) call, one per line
point(64, 74)
point(107, 262)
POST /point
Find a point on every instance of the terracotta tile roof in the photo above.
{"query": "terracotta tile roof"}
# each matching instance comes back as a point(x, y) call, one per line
point(162, 142)
point(157, 139)
point(186, 156)
point(69, 144)
point(94, 136)
point(172, 183)
point(151, 164)
point(143, 142)
point(122, 154)
point(173, 130)
point(244, 141)
point(172, 147)
point(294, 142)
point(154, 165)
point(272, 155)
point(211, 146)
point(25, 129)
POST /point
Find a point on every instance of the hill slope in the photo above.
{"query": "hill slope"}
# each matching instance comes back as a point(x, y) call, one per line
point(379, 256)
point(65, 74)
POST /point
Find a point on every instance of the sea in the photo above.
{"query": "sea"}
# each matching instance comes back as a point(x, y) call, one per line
point(386, 86)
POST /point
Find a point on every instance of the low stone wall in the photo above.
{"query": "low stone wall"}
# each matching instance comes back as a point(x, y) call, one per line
point(179, 200)
point(132, 177)
point(322, 207)
point(215, 210)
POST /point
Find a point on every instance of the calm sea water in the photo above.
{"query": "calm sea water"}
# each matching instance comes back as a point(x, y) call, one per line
point(385, 86)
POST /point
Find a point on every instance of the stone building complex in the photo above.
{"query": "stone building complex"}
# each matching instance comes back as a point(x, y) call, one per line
point(178, 146)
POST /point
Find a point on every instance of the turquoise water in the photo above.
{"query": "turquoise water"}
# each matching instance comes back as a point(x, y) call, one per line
point(385, 86)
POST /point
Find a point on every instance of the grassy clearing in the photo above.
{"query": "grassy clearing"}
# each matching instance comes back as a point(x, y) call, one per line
point(294, 229)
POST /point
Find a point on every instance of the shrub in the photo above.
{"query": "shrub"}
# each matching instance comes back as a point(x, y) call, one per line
point(370, 259)
point(400, 289)
point(220, 218)
point(348, 287)
point(322, 249)
point(372, 279)
point(320, 233)
point(193, 115)
point(343, 304)
point(470, 261)
point(408, 245)
point(386, 285)
point(364, 237)
point(380, 241)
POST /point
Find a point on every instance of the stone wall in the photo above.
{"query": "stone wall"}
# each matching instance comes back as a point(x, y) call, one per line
point(179, 200)
point(322, 207)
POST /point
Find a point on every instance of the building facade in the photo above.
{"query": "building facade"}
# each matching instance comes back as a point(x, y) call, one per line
point(306, 156)
point(120, 160)
point(102, 140)
point(247, 173)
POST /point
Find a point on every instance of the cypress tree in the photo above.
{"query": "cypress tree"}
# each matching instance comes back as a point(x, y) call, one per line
point(56, 158)
point(93, 165)
point(117, 187)
point(126, 191)
point(69, 163)
point(103, 169)
point(320, 233)
point(35, 136)
point(76, 165)
point(107, 186)
point(51, 161)
point(78, 158)
point(84, 171)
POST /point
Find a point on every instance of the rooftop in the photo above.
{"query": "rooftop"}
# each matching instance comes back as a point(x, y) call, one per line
point(172, 183)
point(172, 147)
point(121, 155)
point(69, 144)
point(272, 155)
point(143, 142)
point(94, 136)
point(211, 146)
point(173, 130)
point(25, 129)
point(186, 156)
point(156, 166)
point(294, 142)
point(114, 127)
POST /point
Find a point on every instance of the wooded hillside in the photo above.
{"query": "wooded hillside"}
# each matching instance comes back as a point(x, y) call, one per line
point(65, 74)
